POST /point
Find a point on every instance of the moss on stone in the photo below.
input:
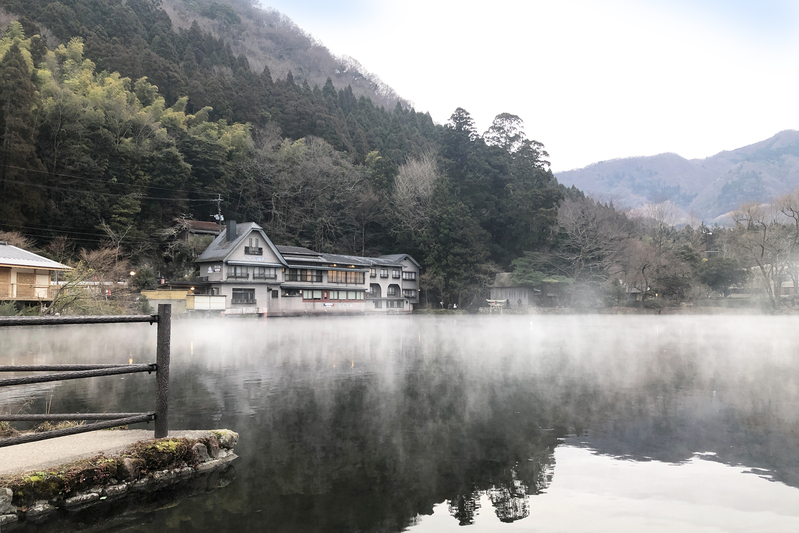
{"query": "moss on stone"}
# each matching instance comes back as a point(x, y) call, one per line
point(70, 479)
point(165, 453)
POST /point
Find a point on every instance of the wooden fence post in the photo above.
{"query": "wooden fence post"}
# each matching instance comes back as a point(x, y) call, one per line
point(162, 373)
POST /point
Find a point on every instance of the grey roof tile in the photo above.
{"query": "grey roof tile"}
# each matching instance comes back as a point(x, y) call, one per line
point(12, 256)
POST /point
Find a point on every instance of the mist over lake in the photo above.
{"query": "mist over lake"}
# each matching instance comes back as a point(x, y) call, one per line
point(540, 423)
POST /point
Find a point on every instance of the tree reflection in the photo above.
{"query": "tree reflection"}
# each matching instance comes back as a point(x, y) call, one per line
point(464, 507)
point(510, 501)
point(343, 430)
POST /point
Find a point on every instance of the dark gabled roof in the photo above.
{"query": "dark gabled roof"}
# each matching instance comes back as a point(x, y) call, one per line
point(221, 248)
point(296, 250)
point(398, 258)
point(10, 255)
point(202, 225)
point(298, 254)
point(340, 259)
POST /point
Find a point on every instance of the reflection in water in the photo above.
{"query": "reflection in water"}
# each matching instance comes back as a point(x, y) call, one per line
point(366, 424)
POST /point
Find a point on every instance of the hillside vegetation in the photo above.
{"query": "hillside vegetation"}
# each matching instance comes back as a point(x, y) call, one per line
point(270, 39)
point(118, 124)
point(708, 188)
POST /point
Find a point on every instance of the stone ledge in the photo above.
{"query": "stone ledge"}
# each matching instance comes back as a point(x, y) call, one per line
point(145, 466)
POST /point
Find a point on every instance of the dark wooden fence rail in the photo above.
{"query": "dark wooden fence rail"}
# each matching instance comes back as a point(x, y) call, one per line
point(63, 372)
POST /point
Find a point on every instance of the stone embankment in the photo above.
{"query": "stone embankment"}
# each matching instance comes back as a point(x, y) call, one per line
point(144, 466)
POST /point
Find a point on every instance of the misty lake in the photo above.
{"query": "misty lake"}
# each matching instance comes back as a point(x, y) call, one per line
point(427, 424)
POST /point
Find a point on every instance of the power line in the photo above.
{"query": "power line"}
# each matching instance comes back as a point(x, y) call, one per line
point(101, 193)
point(100, 236)
point(82, 178)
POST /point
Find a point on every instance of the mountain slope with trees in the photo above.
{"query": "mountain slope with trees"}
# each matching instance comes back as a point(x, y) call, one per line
point(109, 139)
point(708, 188)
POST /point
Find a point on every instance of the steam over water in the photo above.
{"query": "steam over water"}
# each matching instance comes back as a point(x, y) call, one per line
point(540, 423)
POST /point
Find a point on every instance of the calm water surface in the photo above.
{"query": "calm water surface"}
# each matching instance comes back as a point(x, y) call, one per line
point(422, 424)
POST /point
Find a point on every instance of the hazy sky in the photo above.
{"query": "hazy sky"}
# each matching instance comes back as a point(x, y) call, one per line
point(591, 80)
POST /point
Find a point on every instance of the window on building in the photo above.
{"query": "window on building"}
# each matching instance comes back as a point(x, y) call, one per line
point(373, 273)
point(409, 293)
point(264, 273)
point(396, 273)
point(302, 274)
point(374, 291)
point(254, 247)
point(311, 295)
point(237, 272)
point(378, 304)
point(410, 276)
point(349, 277)
point(244, 296)
point(393, 290)
point(274, 294)
point(395, 304)
point(291, 293)
point(383, 272)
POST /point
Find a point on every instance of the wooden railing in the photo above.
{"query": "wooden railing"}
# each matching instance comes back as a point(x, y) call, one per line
point(27, 291)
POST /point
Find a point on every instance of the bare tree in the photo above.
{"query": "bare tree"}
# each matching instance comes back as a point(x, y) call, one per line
point(15, 238)
point(595, 235)
point(761, 238)
point(658, 221)
point(636, 265)
point(413, 188)
point(96, 285)
point(788, 205)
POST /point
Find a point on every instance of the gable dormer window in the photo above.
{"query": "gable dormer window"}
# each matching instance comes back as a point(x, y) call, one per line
point(253, 249)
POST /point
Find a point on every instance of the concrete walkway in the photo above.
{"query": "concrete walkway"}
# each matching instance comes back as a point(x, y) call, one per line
point(52, 453)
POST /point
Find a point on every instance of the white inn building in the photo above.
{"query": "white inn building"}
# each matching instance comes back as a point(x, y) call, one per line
point(243, 272)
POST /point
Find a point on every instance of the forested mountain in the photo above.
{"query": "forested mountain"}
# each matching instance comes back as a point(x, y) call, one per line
point(117, 124)
point(709, 188)
point(270, 39)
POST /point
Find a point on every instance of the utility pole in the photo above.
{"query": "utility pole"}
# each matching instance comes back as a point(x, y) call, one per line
point(218, 216)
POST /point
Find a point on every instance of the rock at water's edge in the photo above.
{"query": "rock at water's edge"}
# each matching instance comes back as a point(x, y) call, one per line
point(6, 496)
point(226, 438)
point(200, 452)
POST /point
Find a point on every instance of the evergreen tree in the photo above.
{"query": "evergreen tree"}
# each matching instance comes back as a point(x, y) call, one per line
point(19, 163)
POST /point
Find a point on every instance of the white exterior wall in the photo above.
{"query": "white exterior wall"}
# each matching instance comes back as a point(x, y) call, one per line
point(267, 257)
point(406, 266)
point(212, 271)
point(223, 285)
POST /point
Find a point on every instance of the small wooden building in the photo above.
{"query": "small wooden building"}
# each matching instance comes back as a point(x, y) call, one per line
point(516, 295)
point(27, 277)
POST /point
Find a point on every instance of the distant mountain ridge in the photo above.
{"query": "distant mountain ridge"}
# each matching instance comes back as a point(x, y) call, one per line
point(707, 188)
point(270, 39)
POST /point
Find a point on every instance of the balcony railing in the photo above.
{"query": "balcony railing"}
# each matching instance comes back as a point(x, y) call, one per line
point(311, 278)
point(253, 250)
point(27, 291)
point(243, 301)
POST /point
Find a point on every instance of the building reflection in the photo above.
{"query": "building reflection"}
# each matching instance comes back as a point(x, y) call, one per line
point(366, 425)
